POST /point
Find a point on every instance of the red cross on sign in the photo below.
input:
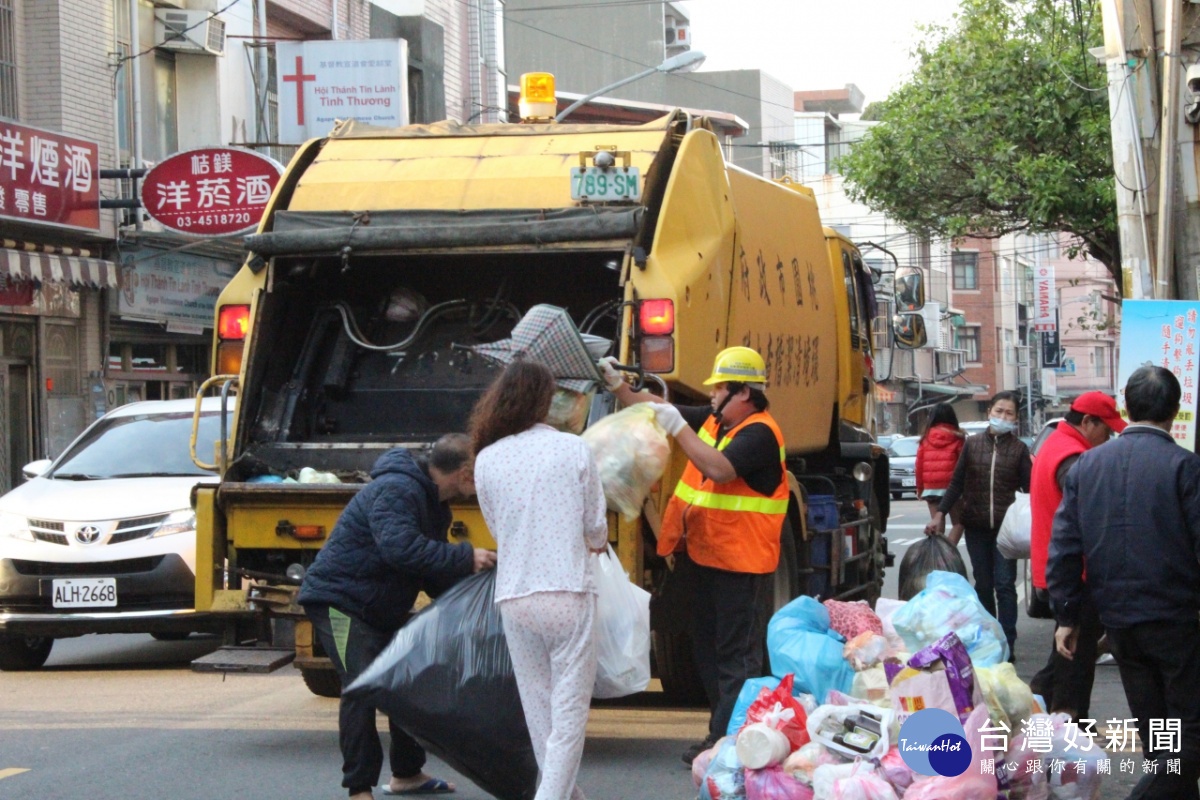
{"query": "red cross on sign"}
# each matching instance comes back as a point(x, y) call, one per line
point(299, 78)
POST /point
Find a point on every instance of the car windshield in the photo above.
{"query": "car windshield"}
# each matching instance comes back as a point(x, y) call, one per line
point(143, 445)
point(905, 447)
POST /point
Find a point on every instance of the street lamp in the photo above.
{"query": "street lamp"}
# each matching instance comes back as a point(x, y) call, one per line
point(684, 62)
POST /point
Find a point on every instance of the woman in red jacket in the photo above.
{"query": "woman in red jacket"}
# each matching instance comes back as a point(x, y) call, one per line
point(937, 455)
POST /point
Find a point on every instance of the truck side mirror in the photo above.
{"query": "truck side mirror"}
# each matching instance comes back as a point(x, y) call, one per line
point(909, 331)
point(910, 289)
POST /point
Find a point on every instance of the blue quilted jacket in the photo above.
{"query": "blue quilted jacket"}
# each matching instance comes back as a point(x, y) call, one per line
point(388, 544)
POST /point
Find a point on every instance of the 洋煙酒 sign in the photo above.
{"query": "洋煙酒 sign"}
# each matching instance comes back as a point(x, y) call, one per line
point(48, 177)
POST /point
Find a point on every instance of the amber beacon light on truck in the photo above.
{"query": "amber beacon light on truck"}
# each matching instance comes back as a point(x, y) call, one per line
point(232, 324)
point(537, 103)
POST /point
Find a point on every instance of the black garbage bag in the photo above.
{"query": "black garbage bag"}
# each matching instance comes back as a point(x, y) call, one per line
point(447, 679)
point(922, 558)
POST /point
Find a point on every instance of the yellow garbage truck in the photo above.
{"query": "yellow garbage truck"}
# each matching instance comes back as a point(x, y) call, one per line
point(388, 255)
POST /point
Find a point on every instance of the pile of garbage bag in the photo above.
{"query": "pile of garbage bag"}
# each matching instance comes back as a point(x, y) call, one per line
point(826, 725)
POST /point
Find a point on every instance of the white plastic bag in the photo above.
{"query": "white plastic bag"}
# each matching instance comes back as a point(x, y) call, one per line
point(631, 453)
point(1013, 540)
point(622, 631)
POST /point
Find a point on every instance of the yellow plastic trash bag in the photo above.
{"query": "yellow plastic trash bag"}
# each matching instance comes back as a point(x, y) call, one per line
point(631, 452)
point(1008, 698)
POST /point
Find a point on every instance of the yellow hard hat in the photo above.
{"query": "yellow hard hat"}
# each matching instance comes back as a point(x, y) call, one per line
point(740, 364)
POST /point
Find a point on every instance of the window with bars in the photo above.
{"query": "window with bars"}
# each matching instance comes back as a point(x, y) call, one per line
point(8, 60)
point(965, 268)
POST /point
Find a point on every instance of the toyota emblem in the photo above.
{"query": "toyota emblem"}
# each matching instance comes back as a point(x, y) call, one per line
point(88, 534)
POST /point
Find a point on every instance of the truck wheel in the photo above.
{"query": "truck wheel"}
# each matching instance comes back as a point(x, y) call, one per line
point(322, 682)
point(23, 652)
point(677, 669)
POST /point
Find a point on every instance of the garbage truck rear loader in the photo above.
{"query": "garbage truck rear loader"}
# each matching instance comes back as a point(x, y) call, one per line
point(388, 255)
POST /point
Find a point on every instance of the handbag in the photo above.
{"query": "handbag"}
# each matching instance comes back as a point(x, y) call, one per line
point(1037, 603)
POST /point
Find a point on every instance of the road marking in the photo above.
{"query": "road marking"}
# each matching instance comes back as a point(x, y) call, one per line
point(8, 773)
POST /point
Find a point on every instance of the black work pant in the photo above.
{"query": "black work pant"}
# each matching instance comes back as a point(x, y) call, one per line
point(1160, 670)
point(1066, 684)
point(352, 645)
point(728, 625)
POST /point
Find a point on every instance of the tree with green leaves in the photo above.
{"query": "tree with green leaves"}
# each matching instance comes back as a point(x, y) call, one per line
point(1003, 127)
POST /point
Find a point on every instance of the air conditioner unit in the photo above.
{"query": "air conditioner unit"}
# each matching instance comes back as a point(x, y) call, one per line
point(189, 31)
point(677, 35)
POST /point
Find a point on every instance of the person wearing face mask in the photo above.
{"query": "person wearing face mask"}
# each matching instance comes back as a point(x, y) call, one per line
point(1066, 684)
point(993, 466)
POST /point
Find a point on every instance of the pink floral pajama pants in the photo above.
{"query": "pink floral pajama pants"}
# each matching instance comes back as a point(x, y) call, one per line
point(550, 640)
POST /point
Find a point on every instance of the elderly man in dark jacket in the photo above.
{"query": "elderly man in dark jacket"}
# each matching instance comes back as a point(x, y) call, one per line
point(388, 544)
point(1131, 510)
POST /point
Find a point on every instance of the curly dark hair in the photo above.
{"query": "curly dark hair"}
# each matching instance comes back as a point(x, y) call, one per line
point(515, 402)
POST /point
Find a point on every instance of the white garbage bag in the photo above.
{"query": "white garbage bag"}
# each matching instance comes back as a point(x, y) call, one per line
point(622, 630)
point(1013, 540)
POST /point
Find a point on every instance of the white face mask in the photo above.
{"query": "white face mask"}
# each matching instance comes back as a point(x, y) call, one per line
point(1000, 425)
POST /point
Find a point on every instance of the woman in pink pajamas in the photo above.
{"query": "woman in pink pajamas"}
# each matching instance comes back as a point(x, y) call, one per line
point(541, 497)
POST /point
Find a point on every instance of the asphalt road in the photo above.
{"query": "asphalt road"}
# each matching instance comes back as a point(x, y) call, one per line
point(124, 718)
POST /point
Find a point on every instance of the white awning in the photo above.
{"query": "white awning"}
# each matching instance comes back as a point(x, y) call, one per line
point(24, 265)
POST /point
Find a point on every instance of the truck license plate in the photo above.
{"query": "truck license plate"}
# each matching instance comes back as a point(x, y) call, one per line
point(908, 482)
point(85, 592)
point(613, 183)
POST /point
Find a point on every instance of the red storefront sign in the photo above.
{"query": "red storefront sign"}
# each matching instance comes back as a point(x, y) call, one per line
point(48, 177)
point(210, 191)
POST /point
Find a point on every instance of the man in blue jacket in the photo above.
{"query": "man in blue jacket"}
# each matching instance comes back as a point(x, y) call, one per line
point(1131, 510)
point(389, 543)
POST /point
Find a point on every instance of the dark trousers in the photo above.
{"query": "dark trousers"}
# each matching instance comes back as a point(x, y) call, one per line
point(1160, 670)
point(1066, 684)
point(352, 645)
point(995, 580)
point(728, 626)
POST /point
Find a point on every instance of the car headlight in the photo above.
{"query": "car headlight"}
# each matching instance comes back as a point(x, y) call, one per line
point(15, 526)
point(176, 522)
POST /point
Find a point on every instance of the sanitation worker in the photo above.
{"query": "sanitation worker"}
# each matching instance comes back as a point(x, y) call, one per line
point(723, 523)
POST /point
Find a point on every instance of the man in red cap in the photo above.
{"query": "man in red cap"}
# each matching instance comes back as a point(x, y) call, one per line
point(1066, 685)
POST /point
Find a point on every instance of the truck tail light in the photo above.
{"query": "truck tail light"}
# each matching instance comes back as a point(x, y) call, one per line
point(657, 353)
point(233, 322)
point(657, 317)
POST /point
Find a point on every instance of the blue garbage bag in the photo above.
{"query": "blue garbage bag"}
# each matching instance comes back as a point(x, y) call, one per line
point(949, 603)
point(725, 778)
point(800, 641)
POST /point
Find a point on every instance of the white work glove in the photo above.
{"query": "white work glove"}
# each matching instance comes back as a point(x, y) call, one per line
point(669, 418)
point(612, 377)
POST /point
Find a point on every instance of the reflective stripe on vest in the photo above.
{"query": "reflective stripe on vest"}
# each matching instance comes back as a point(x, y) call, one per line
point(728, 525)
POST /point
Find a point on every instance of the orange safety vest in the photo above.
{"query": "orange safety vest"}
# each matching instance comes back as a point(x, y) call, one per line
point(728, 526)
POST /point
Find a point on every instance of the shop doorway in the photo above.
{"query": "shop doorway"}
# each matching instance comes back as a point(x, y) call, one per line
point(16, 421)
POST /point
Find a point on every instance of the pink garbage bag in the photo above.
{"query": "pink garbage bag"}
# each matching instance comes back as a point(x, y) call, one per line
point(773, 783)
